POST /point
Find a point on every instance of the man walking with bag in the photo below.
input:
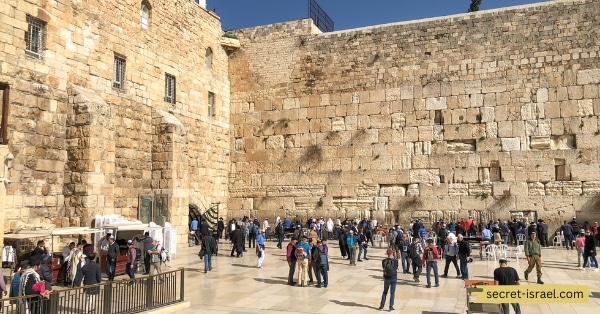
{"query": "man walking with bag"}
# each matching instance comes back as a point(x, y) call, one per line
point(451, 253)
point(390, 278)
point(430, 258)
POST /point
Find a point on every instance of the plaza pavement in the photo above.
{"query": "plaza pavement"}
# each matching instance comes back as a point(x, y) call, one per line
point(236, 285)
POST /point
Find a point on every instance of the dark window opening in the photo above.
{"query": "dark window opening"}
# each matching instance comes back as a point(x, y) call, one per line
point(560, 170)
point(211, 104)
point(5, 88)
point(495, 171)
point(170, 88)
point(439, 118)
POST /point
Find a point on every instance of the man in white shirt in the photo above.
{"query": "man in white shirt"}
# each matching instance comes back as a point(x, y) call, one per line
point(66, 251)
point(265, 225)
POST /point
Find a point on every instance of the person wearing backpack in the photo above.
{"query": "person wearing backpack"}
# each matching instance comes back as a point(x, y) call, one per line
point(302, 257)
point(430, 259)
point(291, 260)
point(415, 252)
point(252, 233)
point(321, 261)
point(390, 278)
point(154, 253)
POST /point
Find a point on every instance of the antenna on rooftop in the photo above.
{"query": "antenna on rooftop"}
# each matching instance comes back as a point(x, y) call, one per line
point(318, 15)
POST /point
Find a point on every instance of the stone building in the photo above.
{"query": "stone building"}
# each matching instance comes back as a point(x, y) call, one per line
point(117, 104)
point(492, 114)
point(108, 102)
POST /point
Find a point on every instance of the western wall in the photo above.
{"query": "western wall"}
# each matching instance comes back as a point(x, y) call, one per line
point(492, 114)
point(81, 145)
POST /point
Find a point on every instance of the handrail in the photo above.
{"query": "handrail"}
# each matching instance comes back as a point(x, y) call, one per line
point(111, 297)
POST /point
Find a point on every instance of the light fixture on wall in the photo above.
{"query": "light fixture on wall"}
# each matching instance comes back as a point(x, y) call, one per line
point(9, 157)
point(5, 180)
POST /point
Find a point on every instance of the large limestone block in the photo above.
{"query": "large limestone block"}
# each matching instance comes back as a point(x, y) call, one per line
point(505, 129)
point(500, 188)
point(436, 103)
point(585, 107)
point(487, 114)
point(458, 189)
point(536, 189)
point(291, 103)
point(554, 188)
point(511, 144)
point(475, 203)
point(542, 95)
point(380, 203)
point(467, 174)
point(586, 141)
point(338, 124)
point(540, 142)
point(563, 203)
point(583, 172)
point(393, 190)
point(398, 120)
point(392, 94)
point(572, 188)
point(591, 187)
point(591, 76)
point(527, 203)
point(413, 189)
point(425, 176)
point(275, 142)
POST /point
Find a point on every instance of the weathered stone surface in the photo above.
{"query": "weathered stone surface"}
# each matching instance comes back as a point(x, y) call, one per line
point(583, 172)
point(511, 144)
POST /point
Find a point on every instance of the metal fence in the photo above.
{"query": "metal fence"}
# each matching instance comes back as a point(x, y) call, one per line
point(318, 15)
point(127, 296)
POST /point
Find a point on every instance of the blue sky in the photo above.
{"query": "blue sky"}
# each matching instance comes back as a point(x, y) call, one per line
point(345, 14)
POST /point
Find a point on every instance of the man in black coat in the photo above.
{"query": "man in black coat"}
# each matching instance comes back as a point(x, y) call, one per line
point(237, 239)
point(220, 227)
point(91, 275)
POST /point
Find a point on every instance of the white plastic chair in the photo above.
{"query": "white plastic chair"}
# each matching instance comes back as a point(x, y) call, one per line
point(520, 239)
point(558, 240)
point(519, 252)
point(501, 250)
point(378, 238)
point(490, 252)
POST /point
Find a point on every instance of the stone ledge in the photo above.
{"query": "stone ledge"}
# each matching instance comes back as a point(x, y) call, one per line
point(175, 308)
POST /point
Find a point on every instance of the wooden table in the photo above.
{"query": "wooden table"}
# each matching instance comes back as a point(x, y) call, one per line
point(471, 285)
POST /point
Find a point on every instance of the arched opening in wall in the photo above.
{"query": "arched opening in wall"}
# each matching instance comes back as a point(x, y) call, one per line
point(208, 57)
point(145, 10)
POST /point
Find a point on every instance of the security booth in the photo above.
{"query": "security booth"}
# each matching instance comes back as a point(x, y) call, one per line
point(67, 234)
point(123, 232)
point(19, 245)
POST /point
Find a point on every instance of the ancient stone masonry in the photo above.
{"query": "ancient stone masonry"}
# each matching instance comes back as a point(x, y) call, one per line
point(88, 139)
point(492, 113)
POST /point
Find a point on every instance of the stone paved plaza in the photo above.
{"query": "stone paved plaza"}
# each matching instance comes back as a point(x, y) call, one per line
point(236, 286)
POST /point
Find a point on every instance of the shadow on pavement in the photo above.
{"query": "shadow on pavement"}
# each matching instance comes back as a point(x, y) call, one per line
point(272, 281)
point(353, 304)
point(242, 265)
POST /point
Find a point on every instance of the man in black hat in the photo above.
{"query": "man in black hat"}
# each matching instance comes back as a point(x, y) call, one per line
point(29, 278)
point(506, 275)
point(220, 227)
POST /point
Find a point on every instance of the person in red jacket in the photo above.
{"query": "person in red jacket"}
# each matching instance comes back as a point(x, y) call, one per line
point(430, 258)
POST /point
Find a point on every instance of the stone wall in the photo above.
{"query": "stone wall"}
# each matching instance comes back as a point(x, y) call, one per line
point(492, 114)
point(81, 146)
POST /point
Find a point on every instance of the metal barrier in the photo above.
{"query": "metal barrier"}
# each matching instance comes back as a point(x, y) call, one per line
point(125, 296)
